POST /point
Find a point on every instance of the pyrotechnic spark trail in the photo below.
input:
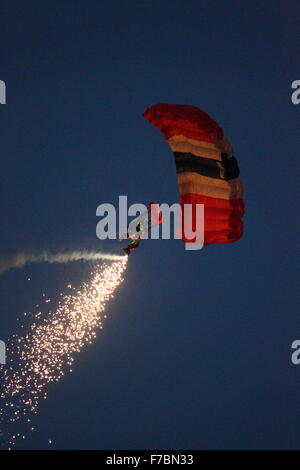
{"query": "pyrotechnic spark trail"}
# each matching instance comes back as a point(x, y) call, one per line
point(47, 352)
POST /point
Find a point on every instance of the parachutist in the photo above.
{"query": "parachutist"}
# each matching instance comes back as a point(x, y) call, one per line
point(132, 246)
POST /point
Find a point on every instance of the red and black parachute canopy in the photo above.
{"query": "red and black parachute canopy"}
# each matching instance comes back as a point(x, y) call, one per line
point(207, 171)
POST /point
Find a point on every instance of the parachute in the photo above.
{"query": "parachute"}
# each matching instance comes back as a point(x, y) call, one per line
point(207, 171)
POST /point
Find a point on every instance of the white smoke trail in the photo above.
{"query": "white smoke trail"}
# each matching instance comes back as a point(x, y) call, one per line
point(21, 259)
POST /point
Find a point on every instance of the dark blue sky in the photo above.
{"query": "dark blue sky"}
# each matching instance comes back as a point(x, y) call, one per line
point(196, 350)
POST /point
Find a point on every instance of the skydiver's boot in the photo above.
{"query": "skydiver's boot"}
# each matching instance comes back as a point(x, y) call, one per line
point(126, 251)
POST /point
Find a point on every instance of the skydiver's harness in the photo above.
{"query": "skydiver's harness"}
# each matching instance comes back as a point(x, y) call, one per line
point(139, 233)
